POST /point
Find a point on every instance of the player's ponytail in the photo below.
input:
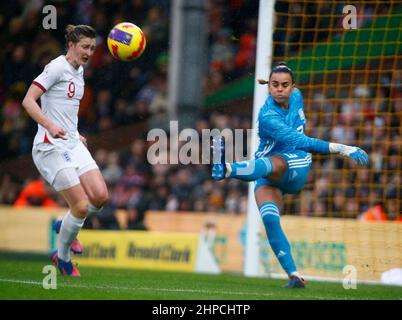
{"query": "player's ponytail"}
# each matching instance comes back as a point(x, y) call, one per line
point(281, 67)
point(75, 33)
point(262, 81)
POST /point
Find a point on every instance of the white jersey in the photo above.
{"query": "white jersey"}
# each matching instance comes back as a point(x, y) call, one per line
point(63, 88)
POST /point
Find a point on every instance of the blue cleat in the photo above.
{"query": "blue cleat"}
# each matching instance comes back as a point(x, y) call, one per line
point(57, 226)
point(76, 246)
point(218, 158)
point(295, 282)
point(66, 268)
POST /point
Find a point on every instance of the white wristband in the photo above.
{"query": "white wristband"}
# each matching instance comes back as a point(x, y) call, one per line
point(335, 147)
point(342, 149)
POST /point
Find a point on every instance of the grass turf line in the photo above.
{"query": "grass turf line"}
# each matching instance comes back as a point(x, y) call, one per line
point(21, 278)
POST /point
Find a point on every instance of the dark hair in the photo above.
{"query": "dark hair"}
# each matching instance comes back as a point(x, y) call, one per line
point(76, 33)
point(281, 67)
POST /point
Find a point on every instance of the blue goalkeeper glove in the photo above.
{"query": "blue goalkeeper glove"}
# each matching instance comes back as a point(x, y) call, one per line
point(357, 154)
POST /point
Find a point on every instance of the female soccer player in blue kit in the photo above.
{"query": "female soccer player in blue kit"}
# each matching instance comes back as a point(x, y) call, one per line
point(282, 161)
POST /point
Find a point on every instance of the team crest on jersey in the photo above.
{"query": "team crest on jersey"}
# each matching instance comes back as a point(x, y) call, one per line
point(66, 157)
point(301, 114)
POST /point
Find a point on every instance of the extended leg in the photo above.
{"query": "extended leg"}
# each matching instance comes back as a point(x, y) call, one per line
point(269, 201)
point(73, 220)
point(273, 167)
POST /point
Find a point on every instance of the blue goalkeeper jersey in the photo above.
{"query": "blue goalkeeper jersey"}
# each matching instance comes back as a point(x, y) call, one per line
point(282, 130)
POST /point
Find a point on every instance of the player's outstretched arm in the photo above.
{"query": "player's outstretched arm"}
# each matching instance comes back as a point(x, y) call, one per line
point(285, 134)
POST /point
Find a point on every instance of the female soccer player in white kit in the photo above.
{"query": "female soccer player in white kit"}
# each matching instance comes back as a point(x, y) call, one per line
point(59, 151)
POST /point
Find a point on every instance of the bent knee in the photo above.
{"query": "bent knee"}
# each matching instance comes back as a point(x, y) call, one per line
point(279, 164)
point(279, 168)
point(100, 199)
point(80, 209)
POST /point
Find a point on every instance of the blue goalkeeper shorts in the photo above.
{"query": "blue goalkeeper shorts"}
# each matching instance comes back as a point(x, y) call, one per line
point(298, 167)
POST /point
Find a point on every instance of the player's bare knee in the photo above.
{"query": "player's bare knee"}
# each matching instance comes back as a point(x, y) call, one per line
point(279, 165)
point(268, 193)
point(100, 199)
point(80, 209)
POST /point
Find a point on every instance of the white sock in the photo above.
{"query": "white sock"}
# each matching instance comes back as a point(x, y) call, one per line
point(295, 273)
point(68, 232)
point(228, 170)
point(92, 209)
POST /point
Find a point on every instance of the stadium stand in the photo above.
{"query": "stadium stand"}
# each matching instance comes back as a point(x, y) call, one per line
point(364, 108)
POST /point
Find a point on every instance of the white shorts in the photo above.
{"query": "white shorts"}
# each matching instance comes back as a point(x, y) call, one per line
point(49, 160)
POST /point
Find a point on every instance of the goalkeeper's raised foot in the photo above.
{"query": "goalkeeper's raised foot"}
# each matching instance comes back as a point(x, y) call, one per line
point(218, 158)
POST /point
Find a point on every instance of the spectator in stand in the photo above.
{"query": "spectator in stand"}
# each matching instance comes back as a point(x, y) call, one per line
point(137, 205)
point(368, 113)
point(246, 56)
point(156, 30)
point(113, 171)
point(159, 199)
point(222, 49)
point(35, 193)
point(393, 204)
point(105, 220)
point(18, 68)
point(9, 190)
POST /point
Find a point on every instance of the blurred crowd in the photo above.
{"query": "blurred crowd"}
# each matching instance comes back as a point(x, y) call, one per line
point(368, 116)
point(141, 89)
point(140, 94)
point(107, 103)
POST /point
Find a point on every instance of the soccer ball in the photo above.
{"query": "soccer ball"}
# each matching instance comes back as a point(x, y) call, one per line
point(126, 41)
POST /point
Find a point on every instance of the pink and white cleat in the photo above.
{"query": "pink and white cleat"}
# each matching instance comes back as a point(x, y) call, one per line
point(66, 267)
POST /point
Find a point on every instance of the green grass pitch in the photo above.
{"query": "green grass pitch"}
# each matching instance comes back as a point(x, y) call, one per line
point(21, 278)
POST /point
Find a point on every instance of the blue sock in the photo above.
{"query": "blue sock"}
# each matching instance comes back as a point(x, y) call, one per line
point(276, 237)
point(251, 170)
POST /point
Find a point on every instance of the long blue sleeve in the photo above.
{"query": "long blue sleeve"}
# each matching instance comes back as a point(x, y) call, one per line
point(275, 128)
